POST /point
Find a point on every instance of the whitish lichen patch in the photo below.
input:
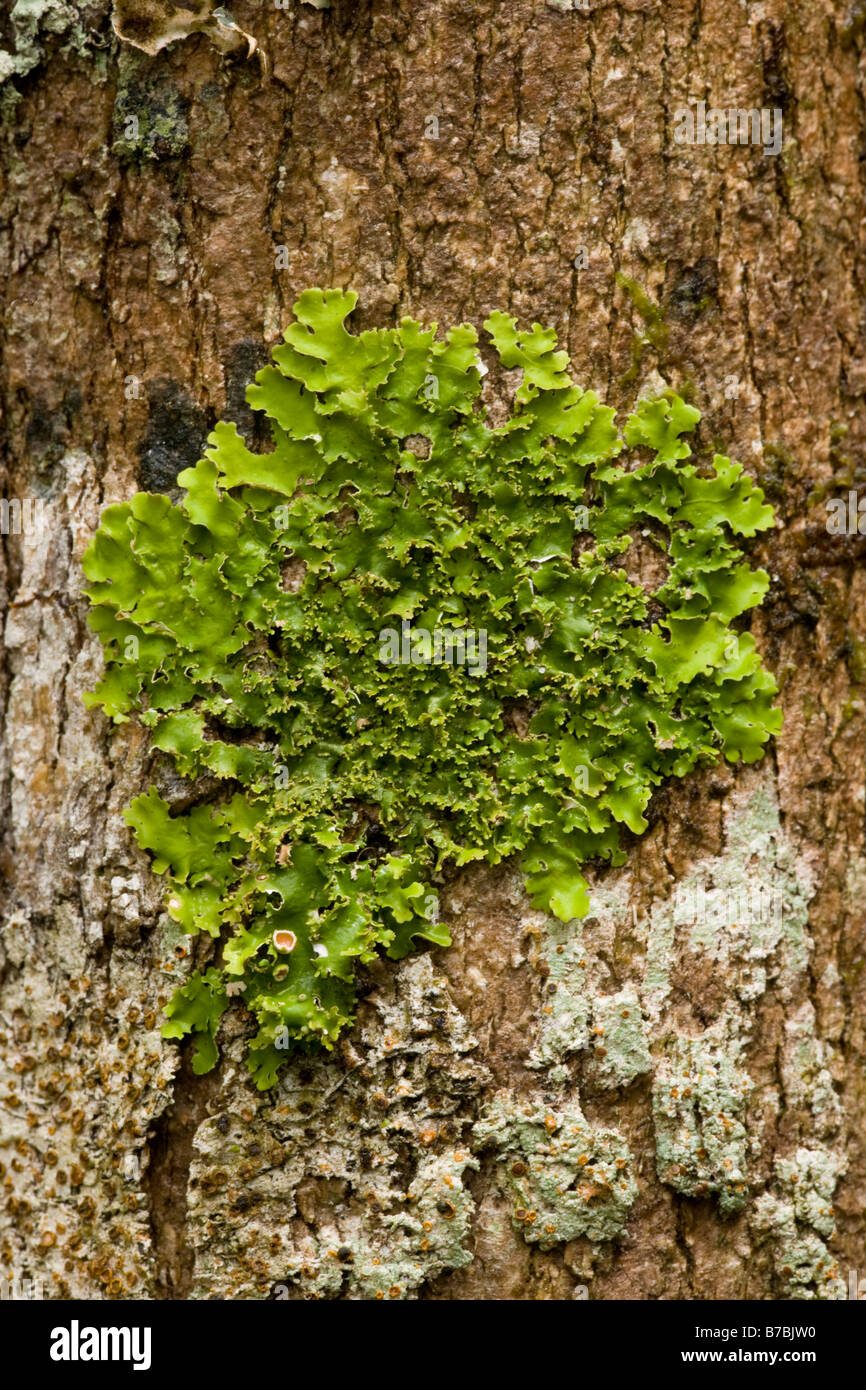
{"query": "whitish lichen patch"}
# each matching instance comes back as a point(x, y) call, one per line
point(348, 1181)
point(743, 913)
point(752, 912)
point(743, 917)
point(810, 1177)
point(84, 1078)
point(566, 1008)
point(794, 1219)
point(34, 23)
point(620, 1050)
point(577, 1010)
point(390, 1256)
point(699, 1105)
point(564, 1177)
point(745, 910)
point(806, 1077)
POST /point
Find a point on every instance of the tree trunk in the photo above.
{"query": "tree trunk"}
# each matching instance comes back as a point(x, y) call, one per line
point(445, 159)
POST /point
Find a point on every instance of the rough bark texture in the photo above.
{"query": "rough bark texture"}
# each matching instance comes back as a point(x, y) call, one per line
point(140, 296)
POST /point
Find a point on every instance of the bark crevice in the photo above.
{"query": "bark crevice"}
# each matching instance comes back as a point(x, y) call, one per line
point(166, 1177)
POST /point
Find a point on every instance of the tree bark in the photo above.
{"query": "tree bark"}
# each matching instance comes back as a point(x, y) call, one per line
point(445, 159)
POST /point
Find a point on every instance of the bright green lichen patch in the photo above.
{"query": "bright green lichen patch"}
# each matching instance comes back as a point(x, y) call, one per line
point(699, 1105)
point(564, 1177)
point(257, 628)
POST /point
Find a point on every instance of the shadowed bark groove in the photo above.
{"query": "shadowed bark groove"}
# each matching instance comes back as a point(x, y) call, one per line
point(166, 1179)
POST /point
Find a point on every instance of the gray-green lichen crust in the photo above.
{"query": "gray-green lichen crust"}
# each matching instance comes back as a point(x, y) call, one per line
point(34, 23)
point(565, 1178)
point(741, 917)
point(797, 1218)
point(699, 1104)
point(350, 1180)
point(245, 626)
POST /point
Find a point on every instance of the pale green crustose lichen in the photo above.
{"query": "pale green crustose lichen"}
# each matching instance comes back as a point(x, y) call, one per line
point(565, 1178)
point(699, 1107)
point(798, 1218)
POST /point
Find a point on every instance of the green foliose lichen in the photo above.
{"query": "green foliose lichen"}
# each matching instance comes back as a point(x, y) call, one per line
point(341, 629)
point(565, 1178)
